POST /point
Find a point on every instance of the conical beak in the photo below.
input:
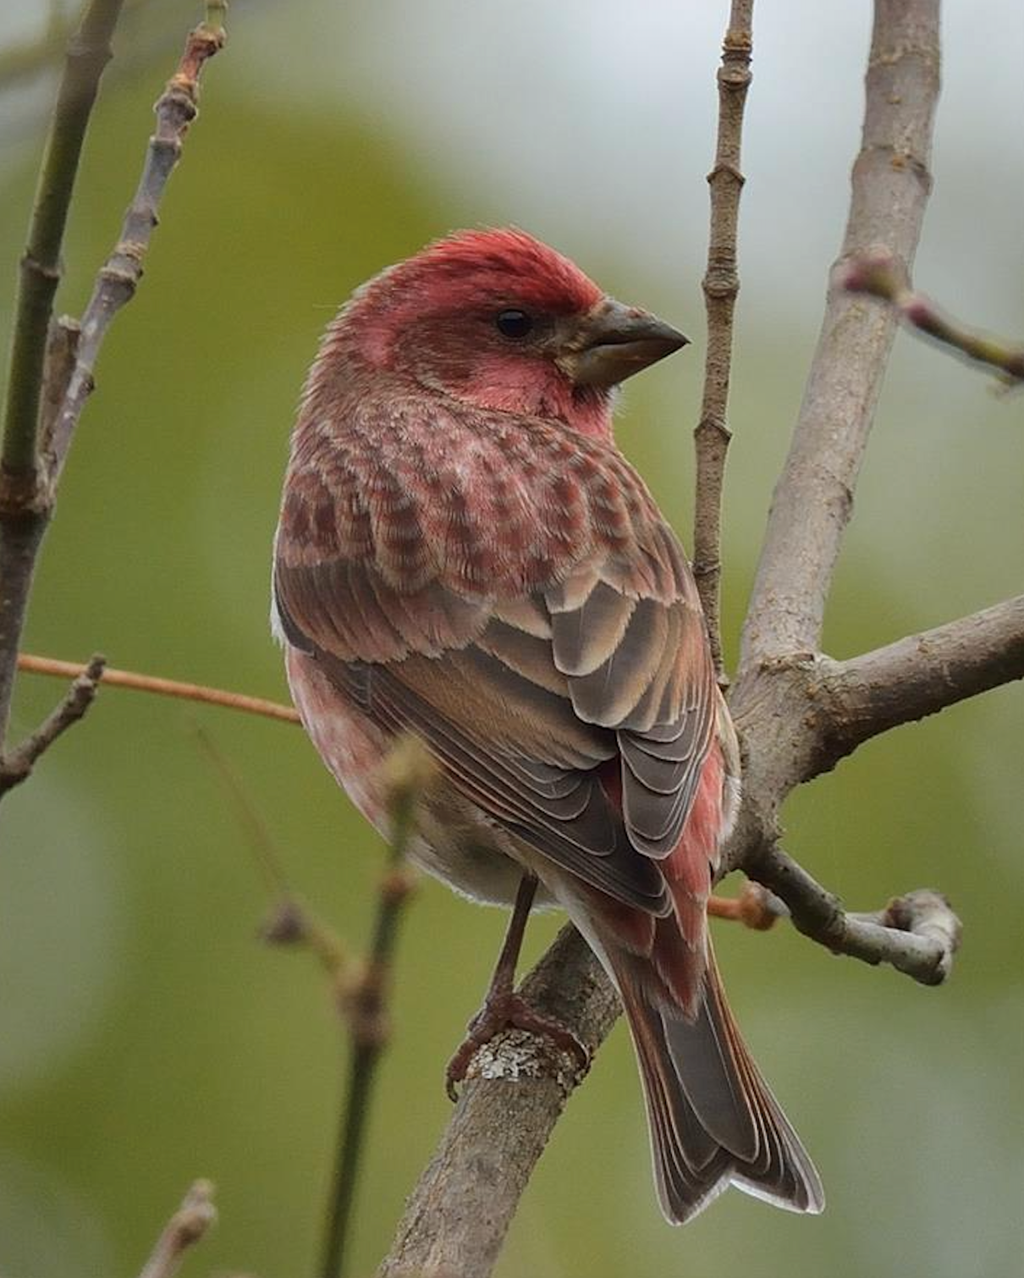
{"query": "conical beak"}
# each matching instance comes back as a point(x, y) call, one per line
point(613, 341)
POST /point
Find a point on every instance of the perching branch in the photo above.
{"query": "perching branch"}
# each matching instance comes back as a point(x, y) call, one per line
point(755, 907)
point(185, 1228)
point(878, 275)
point(721, 285)
point(517, 1087)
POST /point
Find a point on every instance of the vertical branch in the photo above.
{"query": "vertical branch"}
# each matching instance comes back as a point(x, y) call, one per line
point(87, 55)
point(410, 771)
point(721, 285)
point(119, 276)
point(24, 508)
point(813, 499)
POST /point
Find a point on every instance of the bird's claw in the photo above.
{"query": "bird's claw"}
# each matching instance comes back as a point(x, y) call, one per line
point(509, 1011)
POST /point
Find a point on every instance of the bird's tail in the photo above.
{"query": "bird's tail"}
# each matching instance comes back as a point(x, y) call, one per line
point(713, 1120)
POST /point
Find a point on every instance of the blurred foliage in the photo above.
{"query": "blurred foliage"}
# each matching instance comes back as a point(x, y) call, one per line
point(147, 1038)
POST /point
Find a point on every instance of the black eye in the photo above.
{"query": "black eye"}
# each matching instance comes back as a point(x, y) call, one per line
point(514, 324)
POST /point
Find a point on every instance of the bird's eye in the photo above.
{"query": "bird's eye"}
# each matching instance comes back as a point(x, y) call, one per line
point(513, 324)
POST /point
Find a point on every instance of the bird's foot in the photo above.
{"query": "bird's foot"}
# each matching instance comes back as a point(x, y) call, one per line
point(505, 1009)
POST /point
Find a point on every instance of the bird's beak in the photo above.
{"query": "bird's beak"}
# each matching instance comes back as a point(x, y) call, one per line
point(612, 342)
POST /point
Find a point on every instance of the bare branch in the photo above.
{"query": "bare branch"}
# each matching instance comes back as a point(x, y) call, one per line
point(17, 764)
point(162, 687)
point(813, 499)
point(917, 934)
point(457, 1216)
point(410, 771)
point(185, 1228)
point(721, 285)
point(878, 275)
point(87, 55)
point(120, 274)
point(917, 676)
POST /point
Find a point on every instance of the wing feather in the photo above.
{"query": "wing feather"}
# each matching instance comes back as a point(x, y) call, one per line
point(529, 661)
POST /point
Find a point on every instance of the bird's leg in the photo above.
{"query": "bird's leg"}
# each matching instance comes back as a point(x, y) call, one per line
point(503, 1008)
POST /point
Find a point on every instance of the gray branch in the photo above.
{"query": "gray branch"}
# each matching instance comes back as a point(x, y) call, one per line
point(119, 276)
point(813, 499)
point(917, 934)
point(917, 676)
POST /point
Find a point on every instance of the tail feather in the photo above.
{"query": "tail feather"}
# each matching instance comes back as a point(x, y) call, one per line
point(713, 1120)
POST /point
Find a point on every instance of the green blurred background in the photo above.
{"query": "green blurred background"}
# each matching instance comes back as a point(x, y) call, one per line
point(146, 1036)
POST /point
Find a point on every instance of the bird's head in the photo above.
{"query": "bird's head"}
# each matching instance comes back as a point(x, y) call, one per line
point(499, 320)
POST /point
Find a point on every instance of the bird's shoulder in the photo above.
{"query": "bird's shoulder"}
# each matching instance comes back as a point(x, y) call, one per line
point(428, 491)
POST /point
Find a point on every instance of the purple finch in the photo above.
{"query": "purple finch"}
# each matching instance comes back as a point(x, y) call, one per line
point(463, 554)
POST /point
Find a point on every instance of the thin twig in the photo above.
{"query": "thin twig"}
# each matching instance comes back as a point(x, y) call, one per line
point(813, 499)
point(87, 55)
point(185, 1228)
point(162, 687)
point(721, 285)
point(410, 772)
point(119, 276)
point(879, 275)
point(917, 934)
point(359, 990)
point(18, 763)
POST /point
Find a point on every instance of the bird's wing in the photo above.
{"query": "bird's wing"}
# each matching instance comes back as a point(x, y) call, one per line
point(574, 707)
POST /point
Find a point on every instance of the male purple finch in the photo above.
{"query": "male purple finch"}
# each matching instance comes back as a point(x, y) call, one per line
point(463, 554)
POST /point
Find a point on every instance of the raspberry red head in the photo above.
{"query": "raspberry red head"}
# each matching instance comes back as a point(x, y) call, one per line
point(499, 320)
